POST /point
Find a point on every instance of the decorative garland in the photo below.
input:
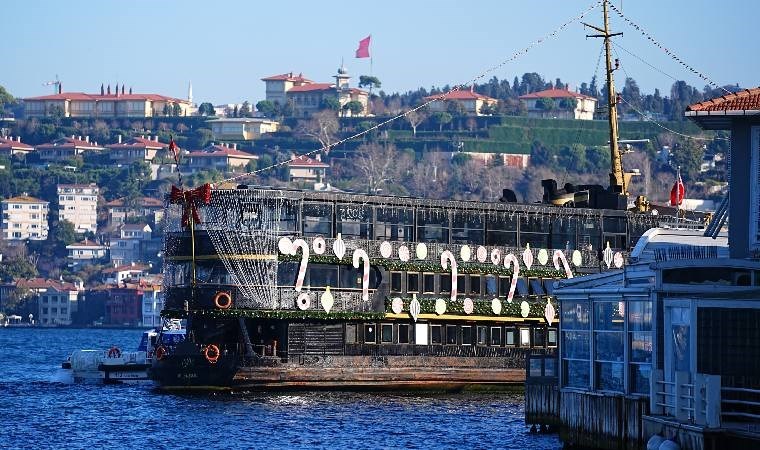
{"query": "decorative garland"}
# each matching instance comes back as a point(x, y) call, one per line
point(480, 308)
point(272, 314)
point(423, 266)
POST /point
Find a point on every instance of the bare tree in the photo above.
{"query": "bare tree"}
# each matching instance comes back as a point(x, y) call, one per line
point(430, 177)
point(415, 118)
point(323, 126)
point(380, 165)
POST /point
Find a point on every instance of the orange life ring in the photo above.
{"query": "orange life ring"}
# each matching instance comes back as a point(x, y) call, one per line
point(114, 352)
point(160, 352)
point(226, 300)
point(211, 353)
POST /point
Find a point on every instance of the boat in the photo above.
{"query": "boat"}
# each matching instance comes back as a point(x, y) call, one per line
point(114, 366)
point(286, 289)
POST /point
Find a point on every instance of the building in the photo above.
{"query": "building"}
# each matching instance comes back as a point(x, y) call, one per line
point(469, 102)
point(152, 303)
point(309, 97)
point(124, 305)
point(559, 104)
point(85, 252)
point(10, 146)
point(106, 105)
point(120, 209)
point(78, 204)
point(25, 217)
point(56, 300)
point(117, 274)
point(67, 148)
point(303, 168)
point(221, 157)
point(135, 149)
point(242, 129)
point(127, 246)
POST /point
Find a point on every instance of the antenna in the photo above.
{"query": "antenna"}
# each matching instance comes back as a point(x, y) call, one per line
point(55, 83)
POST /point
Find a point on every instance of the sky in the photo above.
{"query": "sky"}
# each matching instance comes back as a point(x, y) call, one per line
point(225, 47)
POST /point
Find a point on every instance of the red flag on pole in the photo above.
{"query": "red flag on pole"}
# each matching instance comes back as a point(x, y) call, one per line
point(678, 192)
point(363, 50)
point(174, 149)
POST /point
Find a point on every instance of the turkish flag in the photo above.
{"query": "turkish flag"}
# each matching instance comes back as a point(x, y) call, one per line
point(174, 149)
point(678, 192)
point(363, 50)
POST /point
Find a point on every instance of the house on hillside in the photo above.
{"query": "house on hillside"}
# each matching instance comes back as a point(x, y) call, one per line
point(135, 149)
point(121, 209)
point(559, 104)
point(84, 253)
point(132, 244)
point(241, 128)
point(56, 300)
point(25, 217)
point(221, 157)
point(303, 168)
point(469, 101)
point(10, 146)
point(67, 148)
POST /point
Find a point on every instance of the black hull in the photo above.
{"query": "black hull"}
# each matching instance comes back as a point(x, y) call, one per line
point(187, 368)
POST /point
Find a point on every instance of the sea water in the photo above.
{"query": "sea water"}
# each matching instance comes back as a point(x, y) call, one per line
point(40, 407)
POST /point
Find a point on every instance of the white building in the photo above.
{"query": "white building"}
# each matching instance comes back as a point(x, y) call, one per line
point(85, 252)
point(152, 304)
point(126, 247)
point(57, 300)
point(25, 217)
point(78, 203)
point(559, 104)
point(241, 128)
point(303, 168)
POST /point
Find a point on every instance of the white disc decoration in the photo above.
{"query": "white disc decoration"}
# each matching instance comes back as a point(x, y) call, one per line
point(577, 258)
point(496, 306)
point(524, 309)
point(468, 306)
point(414, 307)
point(607, 255)
point(319, 245)
point(327, 300)
point(549, 312)
point(543, 257)
point(617, 260)
point(421, 251)
point(386, 250)
point(285, 245)
point(440, 306)
point(496, 256)
point(559, 257)
point(303, 301)
point(403, 253)
point(482, 254)
point(339, 247)
point(465, 253)
point(527, 257)
point(397, 306)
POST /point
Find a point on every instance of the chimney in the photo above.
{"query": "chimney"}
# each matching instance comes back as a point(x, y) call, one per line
point(319, 157)
point(87, 138)
point(234, 146)
point(155, 138)
point(60, 87)
point(119, 139)
point(72, 136)
point(18, 138)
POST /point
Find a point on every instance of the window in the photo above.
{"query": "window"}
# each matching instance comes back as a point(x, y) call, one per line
point(564, 232)
point(466, 335)
point(403, 334)
point(640, 342)
point(354, 221)
point(522, 287)
point(534, 230)
point(467, 228)
point(445, 283)
point(496, 336)
point(428, 283)
point(491, 286)
point(395, 281)
point(394, 224)
point(461, 280)
point(436, 334)
point(412, 282)
point(539, 337)
point(524, 337)
point(317, 219)
point(432, 225)
point(535, 286)
point(451, 334)
point(321, 275)
point(576, 344)
point(482, 335)
point(504, 283)
point(608, 346)
point(386, 333)
point(509, 337)
point(475, 284)
point(350, 333)
point(552, 337)
point(370, 334)
point(501, 230)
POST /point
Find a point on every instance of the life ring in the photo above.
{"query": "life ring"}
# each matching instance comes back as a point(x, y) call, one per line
point(223, 300)
point(114, 352)
point(160, 352)
point(211, 353)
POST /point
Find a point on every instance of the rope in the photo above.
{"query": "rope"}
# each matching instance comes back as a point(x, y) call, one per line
point(437, 98)
point(666, 50)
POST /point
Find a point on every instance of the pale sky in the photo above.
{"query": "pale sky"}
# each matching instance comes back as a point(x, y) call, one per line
point(226, 47)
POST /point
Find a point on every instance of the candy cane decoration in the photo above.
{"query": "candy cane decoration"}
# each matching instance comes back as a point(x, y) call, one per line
point(448, 256)
point(304, 261)
point(512, 259)
point(361, 254)
point(560, 256)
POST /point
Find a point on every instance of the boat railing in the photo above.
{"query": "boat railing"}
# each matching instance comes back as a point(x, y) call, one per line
point(686, 401)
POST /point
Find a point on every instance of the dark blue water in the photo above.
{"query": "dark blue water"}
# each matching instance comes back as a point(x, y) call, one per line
point(40, 409)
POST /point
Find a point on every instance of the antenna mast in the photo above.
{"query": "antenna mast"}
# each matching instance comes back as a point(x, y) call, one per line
point(618, 182)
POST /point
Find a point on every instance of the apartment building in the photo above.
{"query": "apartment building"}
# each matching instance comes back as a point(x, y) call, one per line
point(25, 217)
point(78, 204)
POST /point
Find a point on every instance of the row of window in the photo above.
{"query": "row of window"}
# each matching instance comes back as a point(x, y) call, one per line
point(491, 285)
point(54, 311)
point(449, 334)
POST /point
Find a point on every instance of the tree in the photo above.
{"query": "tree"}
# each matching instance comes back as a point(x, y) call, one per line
point(330, 103)
point(354, 107)
point(167, 109)
point(379, 165)
point(415, 118)
point(369, 81)
point(268, 108)
point(245, 109)
point(323, 126)
point(568, 104)
point(15, 268)
point(176, 110)
point(545, 103)
point(206, 109)
point(442, 118)
point(688, 154)
point(6, 99)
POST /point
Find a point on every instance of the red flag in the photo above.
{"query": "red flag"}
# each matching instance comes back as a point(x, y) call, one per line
point(363, 50)
point(174, 149)
point(678, 192)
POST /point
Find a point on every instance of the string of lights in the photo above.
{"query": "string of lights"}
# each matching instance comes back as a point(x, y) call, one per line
point(440, 97)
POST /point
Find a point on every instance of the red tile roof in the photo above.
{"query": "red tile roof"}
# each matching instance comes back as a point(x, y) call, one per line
point(313, 87)
point(90, 185)
point(41, 283)
point(14, 144)
point(126, 268)
point(746, 100)
point(138, 142)
point(219, 150)
point(68, 142)
point(112, 97)
point(555, 93)
point(305, 161)
point(461, 95)
point(145, 202)
point(288, 77)
point(24, 199)
point(85, 243)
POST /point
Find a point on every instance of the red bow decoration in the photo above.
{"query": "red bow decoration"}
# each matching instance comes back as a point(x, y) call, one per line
point(188, 200)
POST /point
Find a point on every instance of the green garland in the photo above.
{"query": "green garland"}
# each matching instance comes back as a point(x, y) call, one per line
point(481, 308)
point(272, 314)
point(425, 266)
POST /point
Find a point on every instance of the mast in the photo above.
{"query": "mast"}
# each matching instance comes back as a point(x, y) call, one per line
point(617, 177)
